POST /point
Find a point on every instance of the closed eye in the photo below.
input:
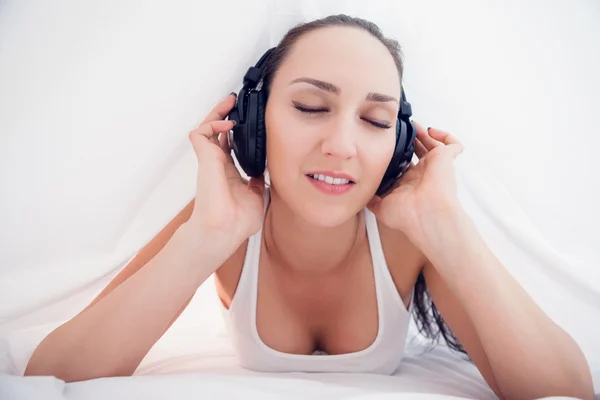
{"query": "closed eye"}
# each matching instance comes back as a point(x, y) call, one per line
point(322, 110)
point(310, 110)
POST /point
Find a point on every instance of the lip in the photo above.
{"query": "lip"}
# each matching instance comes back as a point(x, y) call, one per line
point(329, 189)
point(333, 174)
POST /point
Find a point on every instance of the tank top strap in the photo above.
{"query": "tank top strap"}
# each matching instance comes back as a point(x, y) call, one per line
point(375, 246)
point(380, 265)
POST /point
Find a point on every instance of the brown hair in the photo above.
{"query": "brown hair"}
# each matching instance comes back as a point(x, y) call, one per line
point(341, 20)
point(429, 321)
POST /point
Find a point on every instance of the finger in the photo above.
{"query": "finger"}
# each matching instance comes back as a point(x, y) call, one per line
point(208, 133)
point(426, 140)
point(454, 149)
point(231, 170)
point(445, 137)
point(221, 110)
point(210, 130)
point(224, 143)
point(420, 149)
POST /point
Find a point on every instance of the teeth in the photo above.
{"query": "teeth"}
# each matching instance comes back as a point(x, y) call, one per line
point(330, 180)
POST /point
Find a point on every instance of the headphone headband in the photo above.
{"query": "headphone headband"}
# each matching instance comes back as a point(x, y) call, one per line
point(254, 74)
point(405, 107)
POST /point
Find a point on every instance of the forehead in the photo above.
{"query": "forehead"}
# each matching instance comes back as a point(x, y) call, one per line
point(350, 58)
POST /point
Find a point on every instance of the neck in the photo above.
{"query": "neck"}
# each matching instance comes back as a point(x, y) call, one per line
point(301, 248)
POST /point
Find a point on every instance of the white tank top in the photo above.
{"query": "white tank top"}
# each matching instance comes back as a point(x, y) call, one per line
point(383, 356)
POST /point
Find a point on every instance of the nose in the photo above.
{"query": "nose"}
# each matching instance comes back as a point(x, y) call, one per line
point(340, 139)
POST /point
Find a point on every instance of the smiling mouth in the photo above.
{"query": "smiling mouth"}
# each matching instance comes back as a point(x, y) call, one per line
point(330, 180)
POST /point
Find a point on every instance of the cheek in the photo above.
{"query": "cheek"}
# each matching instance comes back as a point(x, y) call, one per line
point(376, 156)
point(286, 145)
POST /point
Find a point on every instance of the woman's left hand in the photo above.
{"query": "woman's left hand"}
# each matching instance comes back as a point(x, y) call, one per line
point(427, 189)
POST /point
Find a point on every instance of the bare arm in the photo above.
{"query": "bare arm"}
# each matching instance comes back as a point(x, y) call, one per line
point(519, 350)
point(114, 333)
point(146, 254)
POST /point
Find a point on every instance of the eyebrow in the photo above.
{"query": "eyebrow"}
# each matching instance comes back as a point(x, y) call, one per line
point(331, 88)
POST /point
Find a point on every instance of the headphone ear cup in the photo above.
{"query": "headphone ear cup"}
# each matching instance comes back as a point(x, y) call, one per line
point(411, 135)
point(239, 139)
point(254, 130)
point(260, 153)
point(236, 140)
point(403, 152)
point(249, 134)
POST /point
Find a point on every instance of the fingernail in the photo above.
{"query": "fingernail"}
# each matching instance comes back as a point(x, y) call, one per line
point(428, 128)
point(233, 93)
point(224, 98)
point(234, 122)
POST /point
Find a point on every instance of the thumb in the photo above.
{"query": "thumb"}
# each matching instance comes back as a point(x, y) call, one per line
point(257, 185)
point(455, 150)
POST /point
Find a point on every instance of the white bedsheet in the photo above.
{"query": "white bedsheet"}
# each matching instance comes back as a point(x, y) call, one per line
point(95, 104)
point(435, 375)
point(195, 358)
point(186, 364)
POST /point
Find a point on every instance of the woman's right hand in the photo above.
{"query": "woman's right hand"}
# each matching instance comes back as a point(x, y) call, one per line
point(226, 205)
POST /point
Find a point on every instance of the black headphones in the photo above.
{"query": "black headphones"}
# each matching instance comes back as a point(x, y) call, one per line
point(249, 134)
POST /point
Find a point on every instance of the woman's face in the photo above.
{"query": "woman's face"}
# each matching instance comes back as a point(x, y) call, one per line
point(343, 72)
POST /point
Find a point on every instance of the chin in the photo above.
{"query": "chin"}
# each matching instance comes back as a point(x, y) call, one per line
point(327, 216)
point(321, 210)
point(318, 208)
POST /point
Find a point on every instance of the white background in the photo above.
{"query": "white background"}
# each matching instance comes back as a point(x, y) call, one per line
point(97, 98)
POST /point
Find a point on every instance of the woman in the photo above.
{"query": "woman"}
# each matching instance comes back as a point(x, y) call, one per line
point(317, 274)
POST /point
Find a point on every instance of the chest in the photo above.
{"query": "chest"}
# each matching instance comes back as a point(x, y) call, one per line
point(335, 313)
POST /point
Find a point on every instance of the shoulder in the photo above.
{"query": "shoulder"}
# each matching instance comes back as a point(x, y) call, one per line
point(397, 248)
point(227, 276)
point(404, 260)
